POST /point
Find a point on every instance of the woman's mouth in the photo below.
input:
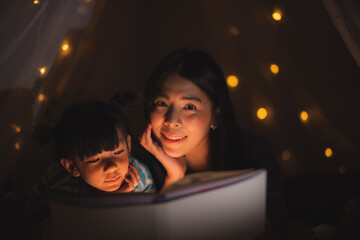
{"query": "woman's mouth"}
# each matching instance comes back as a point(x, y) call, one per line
point(172, 138)
point(113, 180)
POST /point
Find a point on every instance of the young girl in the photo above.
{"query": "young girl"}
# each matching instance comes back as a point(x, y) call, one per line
point(191, 119)
point(93, 146)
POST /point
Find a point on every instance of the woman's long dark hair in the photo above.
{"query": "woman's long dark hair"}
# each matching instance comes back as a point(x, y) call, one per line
point(204, 72)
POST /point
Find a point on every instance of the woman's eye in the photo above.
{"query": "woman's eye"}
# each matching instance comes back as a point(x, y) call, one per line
point(93, 160)
point(190, 107)
point(160, 103)
point(118, 152)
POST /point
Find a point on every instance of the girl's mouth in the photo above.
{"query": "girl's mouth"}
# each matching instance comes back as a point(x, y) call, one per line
point(113, 180)
point(172, 139)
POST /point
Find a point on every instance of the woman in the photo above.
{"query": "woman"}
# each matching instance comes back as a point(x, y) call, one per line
point(191, 119)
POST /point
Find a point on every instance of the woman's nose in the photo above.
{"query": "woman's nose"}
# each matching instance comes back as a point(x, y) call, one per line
point(110, 165)
point(173, 117)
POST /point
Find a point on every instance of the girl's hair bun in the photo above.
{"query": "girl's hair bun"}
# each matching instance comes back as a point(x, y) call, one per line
point(125, 98)
point(43, 135)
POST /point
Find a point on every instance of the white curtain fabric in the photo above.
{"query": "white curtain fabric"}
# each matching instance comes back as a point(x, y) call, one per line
point(31, 36)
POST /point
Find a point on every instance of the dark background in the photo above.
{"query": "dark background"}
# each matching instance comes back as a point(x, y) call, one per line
point(119, 43)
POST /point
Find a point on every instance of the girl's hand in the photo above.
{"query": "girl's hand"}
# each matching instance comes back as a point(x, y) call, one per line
point(175, 167)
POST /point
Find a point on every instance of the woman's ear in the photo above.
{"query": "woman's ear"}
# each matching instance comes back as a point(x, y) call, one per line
point(214, 120)
point(129, 143)
point(70, 167)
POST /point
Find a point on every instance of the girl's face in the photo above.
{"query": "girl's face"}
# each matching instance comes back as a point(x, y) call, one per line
point(107, 170)
point(181, 117)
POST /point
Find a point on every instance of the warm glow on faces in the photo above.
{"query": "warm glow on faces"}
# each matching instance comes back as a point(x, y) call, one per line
point(107, 170)
point(181, 117)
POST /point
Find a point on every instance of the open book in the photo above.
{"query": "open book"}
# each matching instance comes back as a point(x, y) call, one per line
point(207, 205)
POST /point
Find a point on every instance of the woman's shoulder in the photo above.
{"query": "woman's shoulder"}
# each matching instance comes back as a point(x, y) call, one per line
point(253, 151)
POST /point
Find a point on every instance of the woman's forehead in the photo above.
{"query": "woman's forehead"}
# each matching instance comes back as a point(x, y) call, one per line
point(180, 86)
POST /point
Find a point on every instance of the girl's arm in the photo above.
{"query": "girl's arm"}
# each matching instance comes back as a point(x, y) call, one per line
point(175, 168)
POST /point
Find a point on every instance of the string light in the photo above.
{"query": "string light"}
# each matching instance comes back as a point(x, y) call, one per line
point(277, 15)
point(286, 155)
point(65, 47)
point(36, 2)
point(17, 146)
point(42, 70)
point(16, 128)
point(41, 97)
point(274, 68)
point(303, 116)
point(234, 30)
point(328, 152)
point(232, 81)
point(261, 113)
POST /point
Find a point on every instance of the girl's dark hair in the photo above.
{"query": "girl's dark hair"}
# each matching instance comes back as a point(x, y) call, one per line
point(88, 128)
point(204, 72)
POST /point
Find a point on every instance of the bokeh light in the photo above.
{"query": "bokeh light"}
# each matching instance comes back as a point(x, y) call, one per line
point(234, 30)
point(17, 146)
point(36, 2)
point(65, 47)
point(41, 97)
point(274, 68)
point(328, 152)
point(16, 128)
point(232, 81)
point(303, 116)
point(42, 70)
point(261, 113)
point(286, 155)
point(277, 15)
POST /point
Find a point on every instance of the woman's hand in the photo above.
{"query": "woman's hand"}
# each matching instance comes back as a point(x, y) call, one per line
point(130, 181)
point(175, 168)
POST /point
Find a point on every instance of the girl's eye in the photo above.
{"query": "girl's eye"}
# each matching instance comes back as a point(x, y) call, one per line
point(159, 103)
point(190, 107)
point(118, 152)
point(93, 160)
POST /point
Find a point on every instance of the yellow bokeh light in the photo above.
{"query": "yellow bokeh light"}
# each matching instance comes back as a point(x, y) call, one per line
point(328, 152)
point(232, 81)
point(17, 146)
point(41, 97)
point(234, 30)
point(42, 70)
point(304, 116)
point(16, 128)
point(261, 113)
point(286, 155)
point(274, 68)
point(65, 47)
point(36, 2)
point(277, 15)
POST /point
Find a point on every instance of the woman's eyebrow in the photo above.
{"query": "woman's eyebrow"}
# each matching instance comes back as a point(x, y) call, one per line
point(192, 98)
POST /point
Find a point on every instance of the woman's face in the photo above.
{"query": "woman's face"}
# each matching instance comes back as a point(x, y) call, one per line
point(181, 117)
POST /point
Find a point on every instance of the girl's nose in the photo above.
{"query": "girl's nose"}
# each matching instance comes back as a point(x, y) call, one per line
point(110, 165)
point(173, 117)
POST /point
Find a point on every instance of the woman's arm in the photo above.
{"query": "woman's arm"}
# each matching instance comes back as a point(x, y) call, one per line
point(175, 168)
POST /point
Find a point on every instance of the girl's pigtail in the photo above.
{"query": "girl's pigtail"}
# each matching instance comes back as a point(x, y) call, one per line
point(124, 99)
